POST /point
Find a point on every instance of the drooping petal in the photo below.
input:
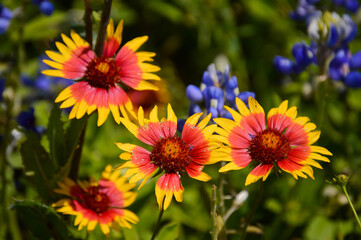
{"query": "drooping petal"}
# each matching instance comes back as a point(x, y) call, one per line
point(167, 186)
point(261, 171)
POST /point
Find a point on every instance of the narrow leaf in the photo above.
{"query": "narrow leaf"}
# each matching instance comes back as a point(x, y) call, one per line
point(56, 137)
point(37, 164)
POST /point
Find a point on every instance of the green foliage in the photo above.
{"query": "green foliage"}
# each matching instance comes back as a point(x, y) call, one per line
point(169, 232)
point(38, 165)
point(49, 27)
point(42, 221)
point(187, 36)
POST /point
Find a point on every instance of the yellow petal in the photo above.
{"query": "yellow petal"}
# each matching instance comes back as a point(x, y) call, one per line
point(136, 43)
point(283, 107)
point(126, 146)
point(110, 28)
point(254, 106)
point(53, 64)
point(53, 73)
point(153, 116)
point(229, 166)
point(236, 116)
point(130, 126)
point(204, 122)
point(65, 94)
point(171, 116)
point(192, 120)
point(319, 149)
point(242, 108)
point(168, 199)
point(292, 112)
point(91, 225)
point(82, 109)
point(103, 113)
point(115, 112)
point(203, 177)
point(55, 56)
point(150, 76)
point(68, 42)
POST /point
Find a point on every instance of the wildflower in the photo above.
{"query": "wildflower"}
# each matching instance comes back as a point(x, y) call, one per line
point(45, 7)
point(350, 5)
point(216, 91)
point(305, 10)
point(171, 154)
point(329, 29)
point(5, 17)
point(343, 68)
point(101, 202)
point(304, 56)
point(101, 78)
point(284, 142)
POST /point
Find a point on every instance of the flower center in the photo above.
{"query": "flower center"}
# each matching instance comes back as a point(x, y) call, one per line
point(269, 146)
point(95, 200)
point(102, 72)
point(171, 154)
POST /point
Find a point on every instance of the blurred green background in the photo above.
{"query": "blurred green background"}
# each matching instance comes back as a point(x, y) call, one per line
point(187, 36)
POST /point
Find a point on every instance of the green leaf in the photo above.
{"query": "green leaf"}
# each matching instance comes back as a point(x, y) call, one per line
point(37, 164)
point(44, 27)
point(42, 221)
point(320, 228)
point(74, 138)
point(169, 232)
point(56, 137)
point(73, 132)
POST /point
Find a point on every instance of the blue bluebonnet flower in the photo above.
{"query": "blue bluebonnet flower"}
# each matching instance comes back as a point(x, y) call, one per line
point(304, 56)
point(2, 88)
point(330, 35)
point(332, 31)
point(350, 5)
point(46, 7)
point(304, 10)
point(344, 66)
point(5, 17)
point(26, 120)
point(216, 91)
point(312, 1)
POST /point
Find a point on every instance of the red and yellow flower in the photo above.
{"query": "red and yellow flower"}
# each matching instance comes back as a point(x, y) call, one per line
point(170, 154)
point(101, 202)
point(101, 78)
point(285, 141)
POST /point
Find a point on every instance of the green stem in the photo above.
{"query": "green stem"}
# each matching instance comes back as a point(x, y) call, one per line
point(222, 209)
point(157, 225)
point(351, 205)
point(214, 231)
point(99, 46)
point(3, 197)
point(77, 154)
point(221, 191)
point(88, 23)
point(253, 210)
